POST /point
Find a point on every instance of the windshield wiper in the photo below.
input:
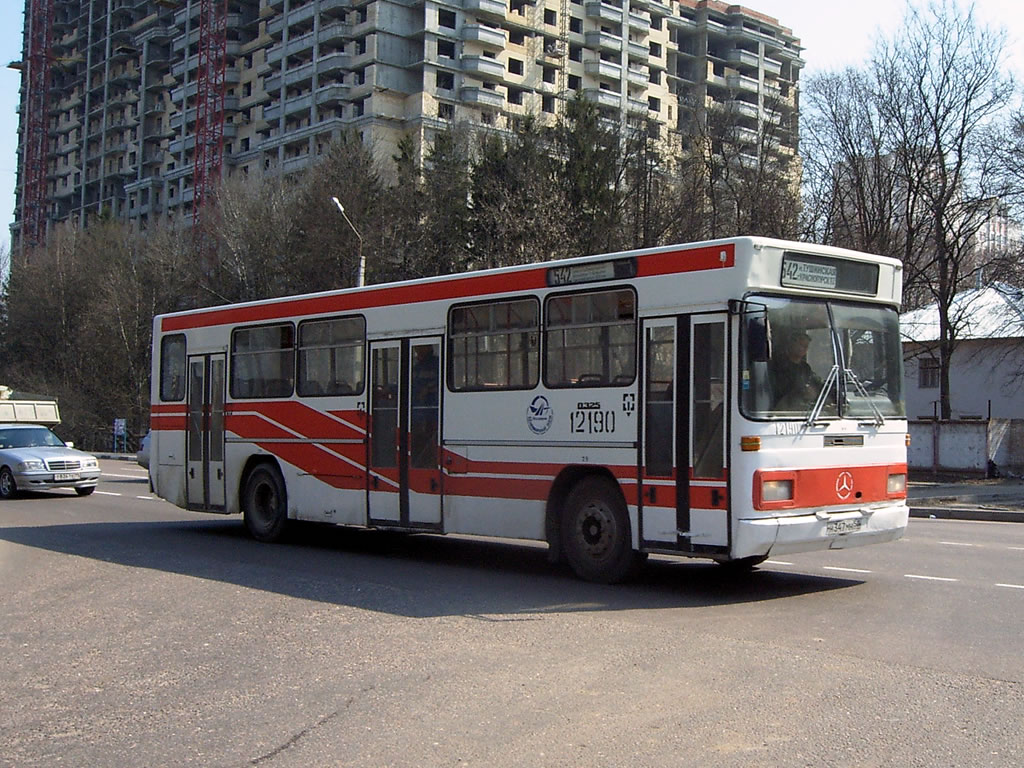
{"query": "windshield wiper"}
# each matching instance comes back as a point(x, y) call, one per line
point(812, 417)
point(852, 377)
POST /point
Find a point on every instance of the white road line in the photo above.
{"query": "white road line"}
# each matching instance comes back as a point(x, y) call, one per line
point(1017, 549)
point(844, 570)
point(130, 477)
point(777, 562)
point(928, 578)
point(147, 498)
point(1011, 586)
point(956, 543)
point(107, 493)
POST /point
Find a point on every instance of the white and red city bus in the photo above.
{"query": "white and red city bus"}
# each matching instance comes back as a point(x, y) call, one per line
point(731, 400)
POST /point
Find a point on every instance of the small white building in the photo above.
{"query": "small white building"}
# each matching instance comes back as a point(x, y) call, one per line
point(987, 370)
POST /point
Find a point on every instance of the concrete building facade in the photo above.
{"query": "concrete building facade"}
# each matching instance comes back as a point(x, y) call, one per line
point(122, 103)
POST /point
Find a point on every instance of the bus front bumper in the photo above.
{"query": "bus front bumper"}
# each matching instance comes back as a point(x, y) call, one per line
point(781, 535)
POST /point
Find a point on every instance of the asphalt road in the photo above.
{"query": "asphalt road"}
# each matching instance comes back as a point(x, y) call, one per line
point(137, 634)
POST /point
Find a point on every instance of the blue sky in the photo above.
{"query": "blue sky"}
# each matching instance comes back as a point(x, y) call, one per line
point(834, 35)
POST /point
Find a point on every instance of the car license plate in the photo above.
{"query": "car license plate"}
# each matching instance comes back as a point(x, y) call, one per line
point(839, 527)
point(62, 476)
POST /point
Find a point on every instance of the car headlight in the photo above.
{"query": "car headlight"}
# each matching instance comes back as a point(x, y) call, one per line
point(31, 465)
point(90, 463)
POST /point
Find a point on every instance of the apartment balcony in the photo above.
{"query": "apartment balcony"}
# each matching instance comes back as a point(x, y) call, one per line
point(334, 33)
point(482, 97)
point(640, 21)
point(289, 107)
point(742, 108)
point(603, 69)
point(603, 11)
point(742, 57)
point(487, 37)
point(772, 68)
point(336, 93)
point(482, 67)
point(494, 9)
point(603, 98)
point(293, 47)
point(638, 76)
point(603, 41)
point(641, 51)
point(742, 83)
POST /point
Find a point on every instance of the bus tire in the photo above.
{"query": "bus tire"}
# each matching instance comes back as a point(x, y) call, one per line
point(265, 503)
point(595, 532)
point(8, 488)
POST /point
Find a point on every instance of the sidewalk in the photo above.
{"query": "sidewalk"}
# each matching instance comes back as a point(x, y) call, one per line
point(1000, 500)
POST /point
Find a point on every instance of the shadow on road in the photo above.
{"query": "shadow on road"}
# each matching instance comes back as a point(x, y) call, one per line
point(407, 575)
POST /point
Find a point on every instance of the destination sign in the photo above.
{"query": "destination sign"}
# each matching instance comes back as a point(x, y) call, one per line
point(824, 273)
point(594, 272)
point(805, 275)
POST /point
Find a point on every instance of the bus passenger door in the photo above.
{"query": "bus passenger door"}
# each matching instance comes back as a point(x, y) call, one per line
point(708, 487)
point(658, 528)
point(204, 468)
point(424, 439)
point(405, 470)
point(385, 458)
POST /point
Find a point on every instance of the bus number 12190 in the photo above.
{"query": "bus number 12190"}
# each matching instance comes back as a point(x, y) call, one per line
point(590, 420)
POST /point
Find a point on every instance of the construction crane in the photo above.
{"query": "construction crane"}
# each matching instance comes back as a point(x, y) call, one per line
point(36, 85)
point(210, 89)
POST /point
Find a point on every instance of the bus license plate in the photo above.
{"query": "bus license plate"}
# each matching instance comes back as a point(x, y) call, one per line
point(839, 527)
point(62, 476)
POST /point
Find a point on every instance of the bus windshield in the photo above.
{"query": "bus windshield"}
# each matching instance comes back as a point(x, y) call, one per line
point(809, 359)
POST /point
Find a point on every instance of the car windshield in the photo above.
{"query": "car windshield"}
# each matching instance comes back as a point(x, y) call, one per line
point(804, 359)
point(28, 438)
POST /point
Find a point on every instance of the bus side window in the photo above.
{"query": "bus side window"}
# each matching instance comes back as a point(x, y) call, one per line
point(172, 367)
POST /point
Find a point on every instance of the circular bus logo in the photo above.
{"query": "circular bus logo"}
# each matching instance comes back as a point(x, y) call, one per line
point(539, 415)
point(844, 485)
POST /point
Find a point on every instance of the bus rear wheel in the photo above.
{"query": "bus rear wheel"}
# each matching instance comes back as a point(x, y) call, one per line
point(595, 532)
point(265, 504)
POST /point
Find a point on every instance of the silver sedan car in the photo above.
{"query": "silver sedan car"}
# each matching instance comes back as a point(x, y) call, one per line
point(33, 458)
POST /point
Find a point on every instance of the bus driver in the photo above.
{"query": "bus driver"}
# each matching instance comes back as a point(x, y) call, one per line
point(795, 385)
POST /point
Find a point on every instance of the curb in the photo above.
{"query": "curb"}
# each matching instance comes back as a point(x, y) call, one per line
point(969, 513)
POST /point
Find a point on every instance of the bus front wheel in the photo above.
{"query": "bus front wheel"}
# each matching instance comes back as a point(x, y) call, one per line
point(265, 507)
point(595, 532)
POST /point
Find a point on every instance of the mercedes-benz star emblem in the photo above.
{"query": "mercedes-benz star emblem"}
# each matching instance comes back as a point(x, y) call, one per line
point(844, 485)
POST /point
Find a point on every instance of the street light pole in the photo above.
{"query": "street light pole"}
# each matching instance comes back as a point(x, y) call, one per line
point(360, 281)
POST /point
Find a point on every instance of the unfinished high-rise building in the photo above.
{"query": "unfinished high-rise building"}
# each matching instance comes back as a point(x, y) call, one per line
point(137, 108)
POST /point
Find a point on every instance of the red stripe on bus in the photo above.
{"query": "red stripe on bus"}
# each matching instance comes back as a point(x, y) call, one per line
point(820, 487)
point(168, 423)
point(686, 260)
point(306, 421)
point(648, 265)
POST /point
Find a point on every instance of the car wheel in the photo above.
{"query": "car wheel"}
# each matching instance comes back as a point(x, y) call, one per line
point(265, 504)
point(8, 488)
point(595, 532)
point(85, 491)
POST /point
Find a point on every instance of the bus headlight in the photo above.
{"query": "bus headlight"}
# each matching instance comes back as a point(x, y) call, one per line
point(777, 490)
point(897, 483)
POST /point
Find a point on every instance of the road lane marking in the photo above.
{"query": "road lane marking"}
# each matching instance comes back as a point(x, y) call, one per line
point(130, 477)
point(956, 543)
point(1017, 549)
point(928, 578)
point(147, 498)
point(107, 493)
point(776, 562)
point(844, 570)
point(1011, 586)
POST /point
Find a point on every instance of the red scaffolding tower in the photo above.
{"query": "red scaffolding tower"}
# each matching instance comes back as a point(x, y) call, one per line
point(210, 89)
point(36, 85)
